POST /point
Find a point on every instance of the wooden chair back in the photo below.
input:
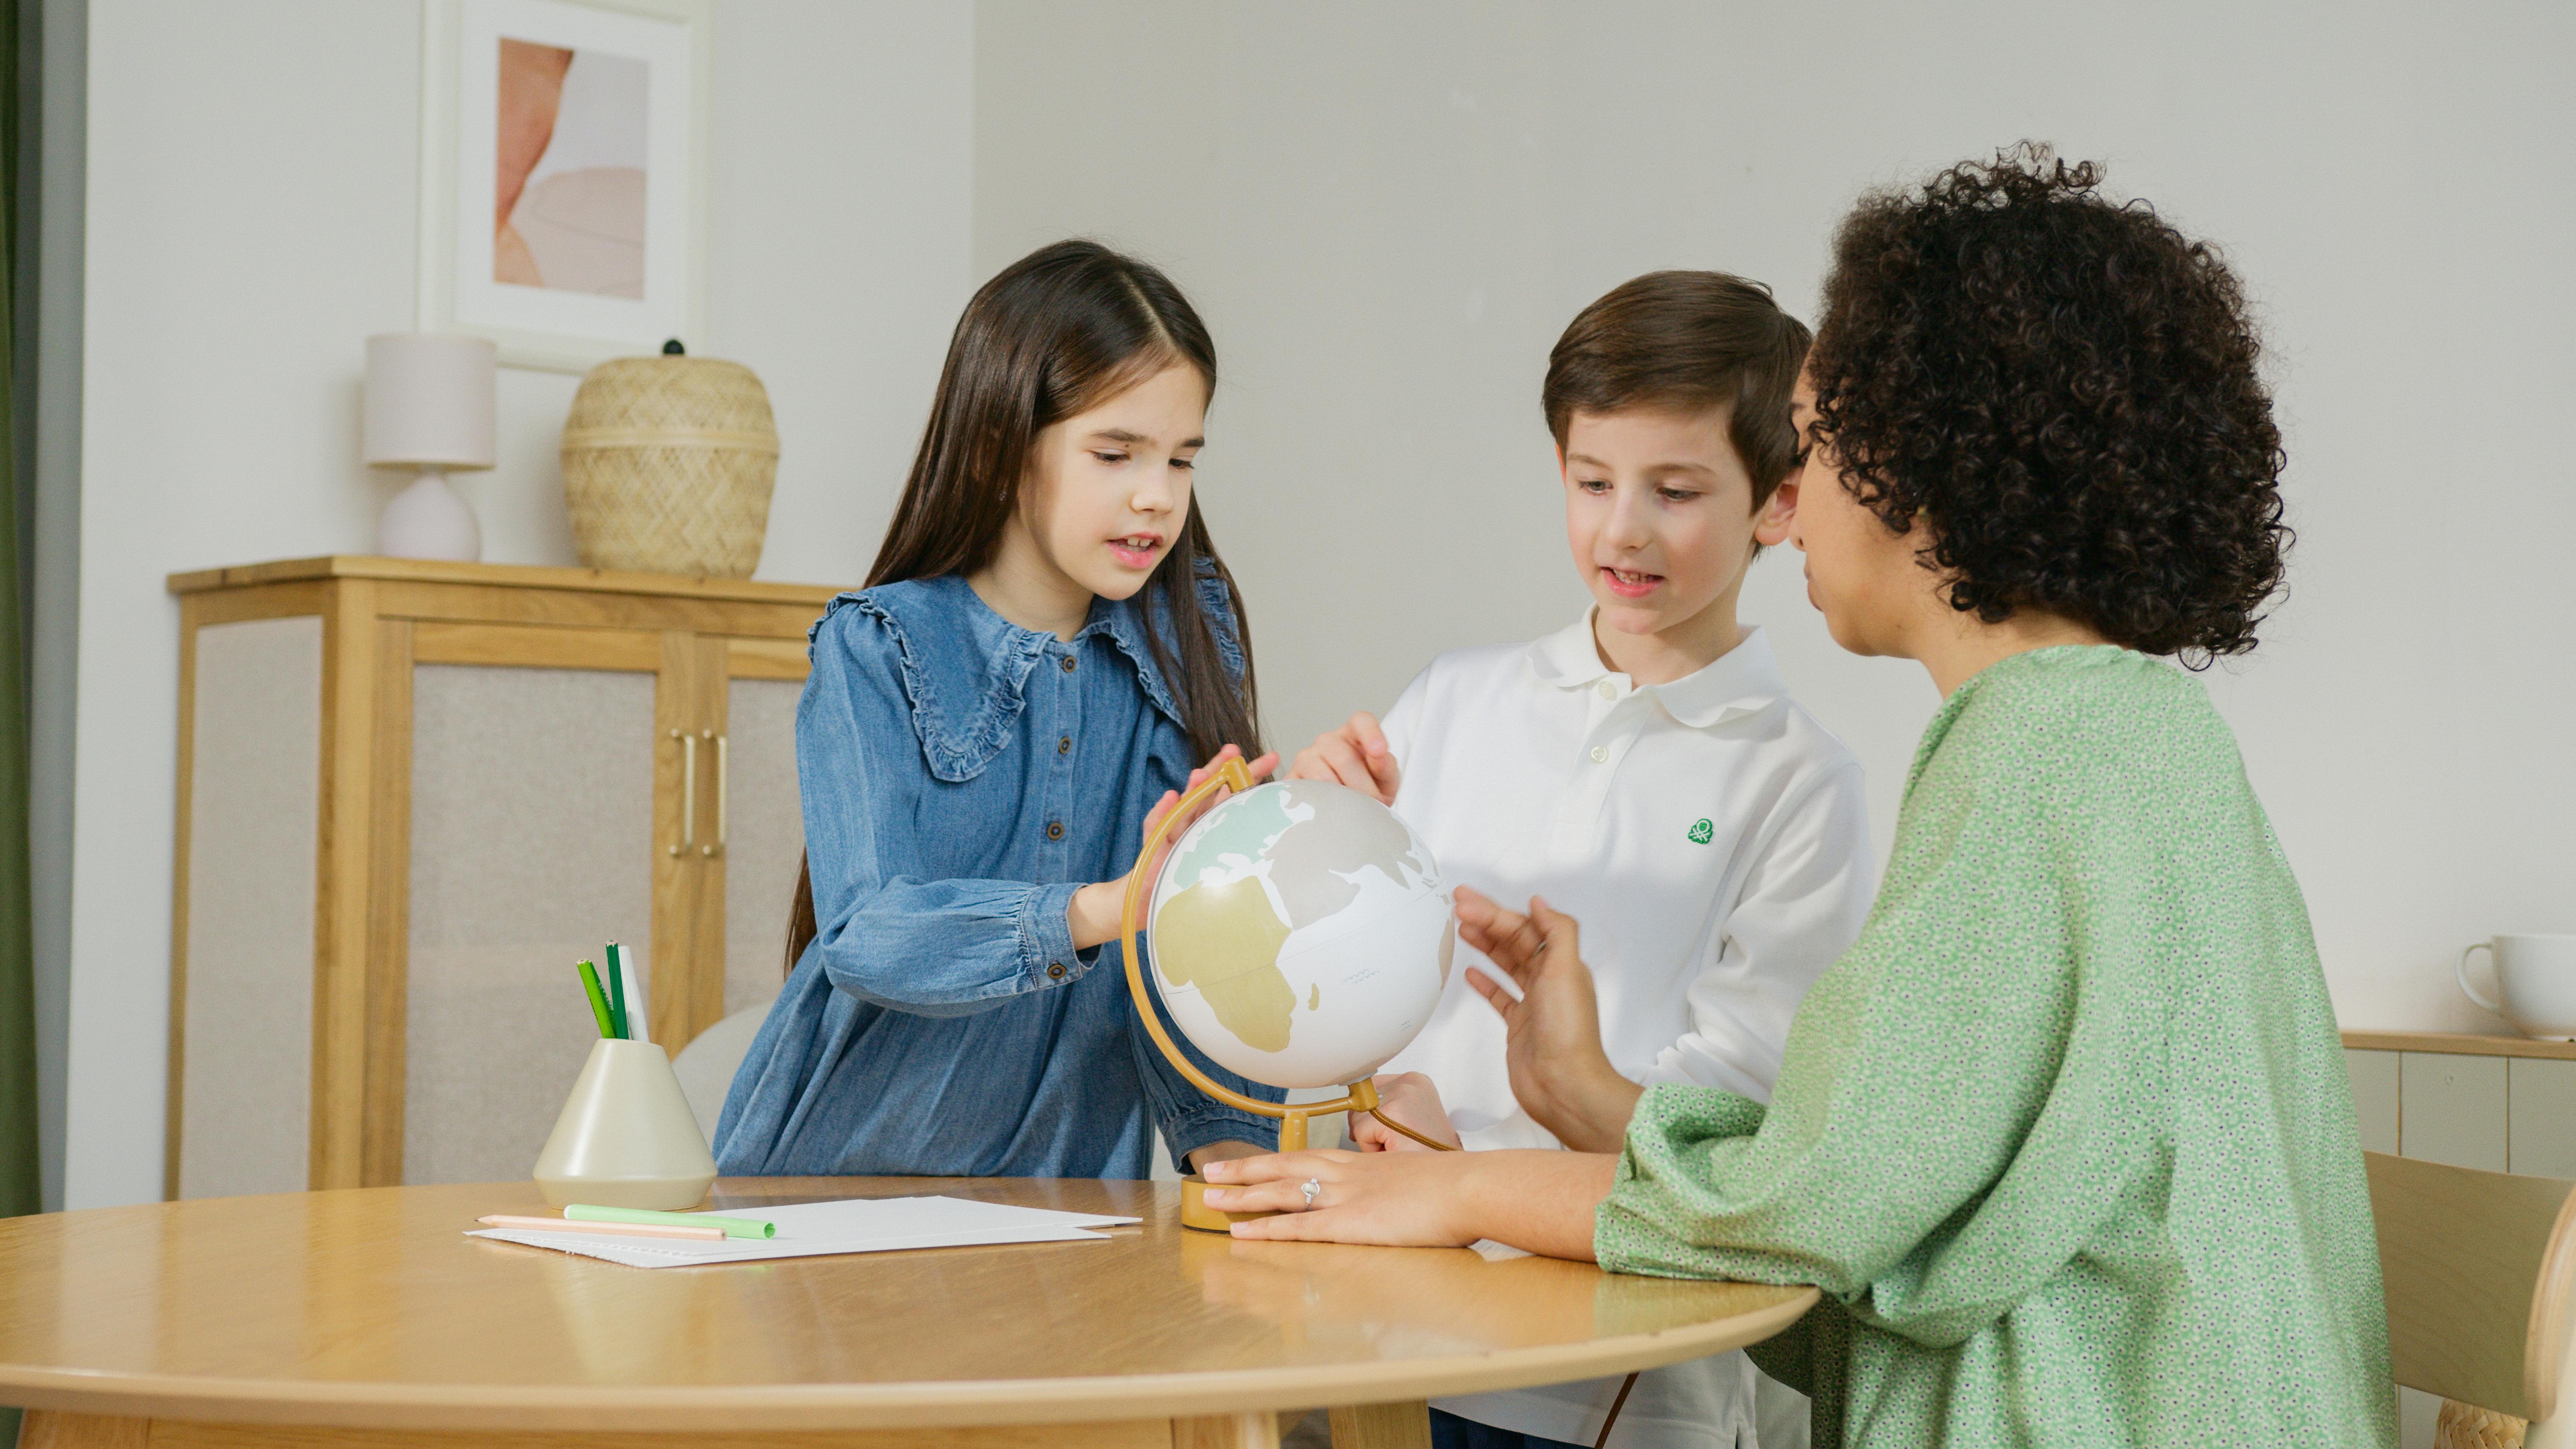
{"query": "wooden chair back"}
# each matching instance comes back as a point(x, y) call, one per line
point(2480, 1270)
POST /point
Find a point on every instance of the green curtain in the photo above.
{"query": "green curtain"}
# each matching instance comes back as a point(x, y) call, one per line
point(20, 1190)
point(20, 1184)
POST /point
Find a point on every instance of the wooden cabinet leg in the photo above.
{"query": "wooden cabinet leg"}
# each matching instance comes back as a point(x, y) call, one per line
point(1382, 1426)
point(1257, 1430)
point(48, 1429)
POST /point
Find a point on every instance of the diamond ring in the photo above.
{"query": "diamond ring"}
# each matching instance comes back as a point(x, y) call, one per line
point(1310, 1187)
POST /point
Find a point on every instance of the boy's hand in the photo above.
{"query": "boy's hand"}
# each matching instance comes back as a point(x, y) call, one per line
point(1559, 1072)
point(1355, 755)
point(1093, 916)
point(1409, 1098)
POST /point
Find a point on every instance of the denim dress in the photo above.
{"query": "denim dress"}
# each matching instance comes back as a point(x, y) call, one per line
point(960, 778)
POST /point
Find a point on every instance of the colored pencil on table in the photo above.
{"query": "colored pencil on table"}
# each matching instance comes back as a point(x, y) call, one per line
point(598, 998)
point(620, 1230)
point(617, 993)
point(730, 1227)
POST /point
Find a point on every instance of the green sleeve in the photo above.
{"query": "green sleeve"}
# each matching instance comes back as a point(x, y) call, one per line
point(1959, 1111)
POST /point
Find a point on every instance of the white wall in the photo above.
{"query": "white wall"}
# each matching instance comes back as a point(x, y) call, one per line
point(252, 203)
point(1387, 213)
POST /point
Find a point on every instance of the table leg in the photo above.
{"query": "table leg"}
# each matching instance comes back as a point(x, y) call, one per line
point(1258, 1430)
point(1382, 1426)
point(49, 1429)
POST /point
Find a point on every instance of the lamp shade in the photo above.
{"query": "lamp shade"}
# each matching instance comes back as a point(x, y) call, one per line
point(429, 400)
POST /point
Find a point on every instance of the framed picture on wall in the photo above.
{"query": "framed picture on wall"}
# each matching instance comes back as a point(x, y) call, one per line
point(563, 167)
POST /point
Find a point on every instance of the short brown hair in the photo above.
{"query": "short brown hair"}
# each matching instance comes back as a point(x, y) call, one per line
point(1686, 340)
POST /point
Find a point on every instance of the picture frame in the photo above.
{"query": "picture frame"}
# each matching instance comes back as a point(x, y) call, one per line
point(594, 116)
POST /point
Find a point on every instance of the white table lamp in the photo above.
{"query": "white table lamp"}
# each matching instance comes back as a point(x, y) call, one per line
point(429, 406)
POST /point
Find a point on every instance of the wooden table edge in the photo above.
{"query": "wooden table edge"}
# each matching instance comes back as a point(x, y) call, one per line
point(789, 1407)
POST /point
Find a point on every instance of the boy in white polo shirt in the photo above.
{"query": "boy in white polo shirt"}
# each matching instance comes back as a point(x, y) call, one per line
point(1642, 767)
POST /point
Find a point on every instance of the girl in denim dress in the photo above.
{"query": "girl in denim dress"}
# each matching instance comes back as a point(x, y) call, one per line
point(1047, 643)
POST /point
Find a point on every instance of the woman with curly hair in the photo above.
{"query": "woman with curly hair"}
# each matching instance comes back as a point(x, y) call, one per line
point(2065, 1137)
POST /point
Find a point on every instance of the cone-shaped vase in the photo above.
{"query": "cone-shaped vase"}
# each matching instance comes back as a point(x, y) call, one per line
point(626, 1137)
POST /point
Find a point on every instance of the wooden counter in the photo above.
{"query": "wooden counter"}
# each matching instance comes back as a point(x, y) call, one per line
point(2458, 1044)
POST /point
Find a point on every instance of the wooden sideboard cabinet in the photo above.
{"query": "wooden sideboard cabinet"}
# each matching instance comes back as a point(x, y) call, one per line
point(2502, 1104)
point(410, 796)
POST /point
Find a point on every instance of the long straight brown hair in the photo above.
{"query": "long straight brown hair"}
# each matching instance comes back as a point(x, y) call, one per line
point(1055, 334)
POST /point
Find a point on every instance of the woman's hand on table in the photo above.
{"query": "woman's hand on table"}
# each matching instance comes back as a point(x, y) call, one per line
point(1552, 1032)
point(1409, 1098)
point(1355, 755)
point(1541, 1202)
point(1093, 917)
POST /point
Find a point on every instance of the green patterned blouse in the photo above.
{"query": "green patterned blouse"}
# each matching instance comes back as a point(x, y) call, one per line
point(2065, 1137)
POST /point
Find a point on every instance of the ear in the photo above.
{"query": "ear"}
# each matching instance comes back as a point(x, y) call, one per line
point(1771, 521)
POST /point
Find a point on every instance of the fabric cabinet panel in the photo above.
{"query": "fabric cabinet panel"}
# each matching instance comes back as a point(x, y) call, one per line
point(531, 847)
point(2451, 1108)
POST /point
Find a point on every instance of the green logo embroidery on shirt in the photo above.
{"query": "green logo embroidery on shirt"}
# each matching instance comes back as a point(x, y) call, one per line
point(1702, 833)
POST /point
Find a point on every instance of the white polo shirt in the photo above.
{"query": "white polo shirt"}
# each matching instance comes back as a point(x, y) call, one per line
point(1713, 841)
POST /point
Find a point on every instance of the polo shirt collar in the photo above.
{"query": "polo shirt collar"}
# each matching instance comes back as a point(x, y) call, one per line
point(1739, 682)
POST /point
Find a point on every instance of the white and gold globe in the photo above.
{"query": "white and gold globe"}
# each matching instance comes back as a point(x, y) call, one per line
point(1300, 934)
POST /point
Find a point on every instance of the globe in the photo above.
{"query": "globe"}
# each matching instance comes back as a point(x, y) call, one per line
point(1300, 933)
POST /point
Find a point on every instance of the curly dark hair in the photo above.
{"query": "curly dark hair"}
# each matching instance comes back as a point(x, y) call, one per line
point(2064, 389)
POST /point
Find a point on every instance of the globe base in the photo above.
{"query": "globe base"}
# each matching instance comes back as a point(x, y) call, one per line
point(1195, 1213)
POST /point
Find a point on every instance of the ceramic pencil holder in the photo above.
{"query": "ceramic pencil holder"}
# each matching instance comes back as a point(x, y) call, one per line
point(626, 1137)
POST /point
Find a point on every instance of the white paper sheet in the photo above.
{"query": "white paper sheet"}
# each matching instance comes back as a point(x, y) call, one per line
point(813, 1229)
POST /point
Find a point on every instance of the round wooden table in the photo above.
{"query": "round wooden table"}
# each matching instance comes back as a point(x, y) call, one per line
point(364, 1317)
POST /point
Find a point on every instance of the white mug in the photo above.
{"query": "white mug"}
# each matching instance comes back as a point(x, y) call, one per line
point(2537, 978)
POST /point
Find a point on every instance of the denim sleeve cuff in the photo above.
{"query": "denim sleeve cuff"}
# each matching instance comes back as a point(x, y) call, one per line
point(1214, 1123)
point(1046, 937)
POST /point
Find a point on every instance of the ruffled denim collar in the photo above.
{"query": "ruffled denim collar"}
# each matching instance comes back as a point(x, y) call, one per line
point(965, 667)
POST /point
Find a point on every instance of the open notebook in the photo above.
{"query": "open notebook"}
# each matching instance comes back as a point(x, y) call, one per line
point(858, 1225)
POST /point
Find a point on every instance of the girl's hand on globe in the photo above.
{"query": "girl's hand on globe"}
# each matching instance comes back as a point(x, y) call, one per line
point(1542, 1202)
point(1093, 914)
point(1354, 755)
point(1552, 1031)
point(1409, 1098)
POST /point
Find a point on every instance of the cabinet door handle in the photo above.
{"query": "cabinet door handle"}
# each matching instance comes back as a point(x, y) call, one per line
point(688, 790)
point(718, 847)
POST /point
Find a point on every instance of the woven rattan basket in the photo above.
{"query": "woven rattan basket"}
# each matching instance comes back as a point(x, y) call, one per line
point(668, 463)
point(2465, 1426)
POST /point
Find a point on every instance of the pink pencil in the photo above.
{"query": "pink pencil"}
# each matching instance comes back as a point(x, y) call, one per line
point(623, 1230)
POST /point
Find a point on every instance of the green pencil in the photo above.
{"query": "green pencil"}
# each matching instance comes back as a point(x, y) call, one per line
point(598, 998)
point(616, 993)
point(733, 1227)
